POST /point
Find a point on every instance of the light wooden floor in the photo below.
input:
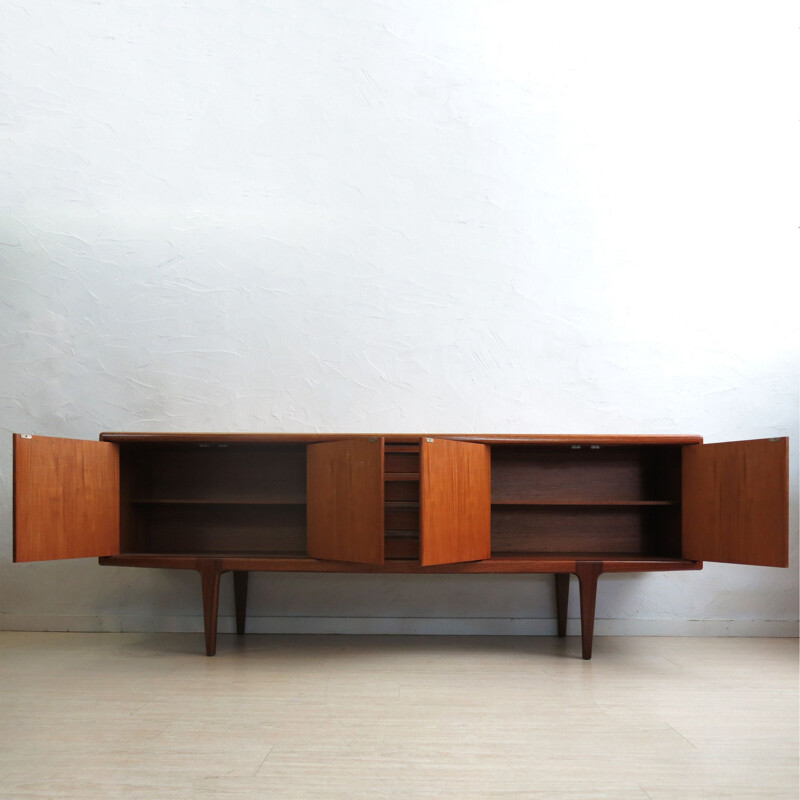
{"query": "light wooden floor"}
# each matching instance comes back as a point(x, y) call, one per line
point(147, 716)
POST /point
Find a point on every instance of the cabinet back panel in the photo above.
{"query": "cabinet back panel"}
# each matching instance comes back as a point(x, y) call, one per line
point(662, 477)
point(213, 528)
point(551, 530)
point(401, 519)
point(193, 472)
point(666, 532)
point(131, 474)
point(401, 545)
point(561, 473)
point(401, 462)
point(401, 491)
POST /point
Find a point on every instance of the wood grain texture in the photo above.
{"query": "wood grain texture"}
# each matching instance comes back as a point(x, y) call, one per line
point(611, 440)
point(402, 491)
point(246, 473)
point(402, 461)
point(401, 519)
point(543, 529)
point(507, 563)
point(66, 498)
point(736, 502)
point(563, 474)
point(210, 572)
point(588, 572)
point(455, 502)
point(401, 546)
point(220, 528)
point(345, 500)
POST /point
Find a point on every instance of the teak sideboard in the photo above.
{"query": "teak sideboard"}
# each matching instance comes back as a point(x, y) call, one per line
point(401, 503)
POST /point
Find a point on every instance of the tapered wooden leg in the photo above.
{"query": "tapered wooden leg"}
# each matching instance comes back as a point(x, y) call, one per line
point(588, 572)
point(240, 597)
point(209, 575)
point(562, 601)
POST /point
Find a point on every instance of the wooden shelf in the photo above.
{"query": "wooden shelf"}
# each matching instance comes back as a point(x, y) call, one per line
point(527, 558)
point(207, 502)
point(581, 555)
point(410, 503)
point(401, 476)
point(620, 503)
point(499, 563)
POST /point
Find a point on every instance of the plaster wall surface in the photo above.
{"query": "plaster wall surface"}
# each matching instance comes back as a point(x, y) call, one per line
point(379, 216)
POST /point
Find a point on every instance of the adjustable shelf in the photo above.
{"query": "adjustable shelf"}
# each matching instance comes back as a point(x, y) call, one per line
point(584, 503)
point(212, 502)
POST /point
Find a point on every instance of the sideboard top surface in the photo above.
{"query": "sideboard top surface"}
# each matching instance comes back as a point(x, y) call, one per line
point(483, 438)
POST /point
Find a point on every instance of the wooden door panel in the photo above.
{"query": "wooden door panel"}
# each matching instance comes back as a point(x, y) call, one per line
point(455, 501)
point(345, 500)
point(66, 498)
point(736, 502)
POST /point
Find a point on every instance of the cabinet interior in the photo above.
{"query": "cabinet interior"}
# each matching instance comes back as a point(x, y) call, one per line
point(401, 500)
point(587, 499)
point(210, 499)
point(250, 499)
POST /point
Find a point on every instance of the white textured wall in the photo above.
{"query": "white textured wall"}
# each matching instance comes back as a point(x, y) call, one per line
point(430, 215)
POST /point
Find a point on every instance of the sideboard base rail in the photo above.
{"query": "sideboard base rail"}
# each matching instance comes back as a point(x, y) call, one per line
point(587, 571)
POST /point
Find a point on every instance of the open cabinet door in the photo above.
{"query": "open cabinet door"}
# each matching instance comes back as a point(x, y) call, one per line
point(66, 498)
point(736, 502)
point(455, 502)
point(344, 500)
